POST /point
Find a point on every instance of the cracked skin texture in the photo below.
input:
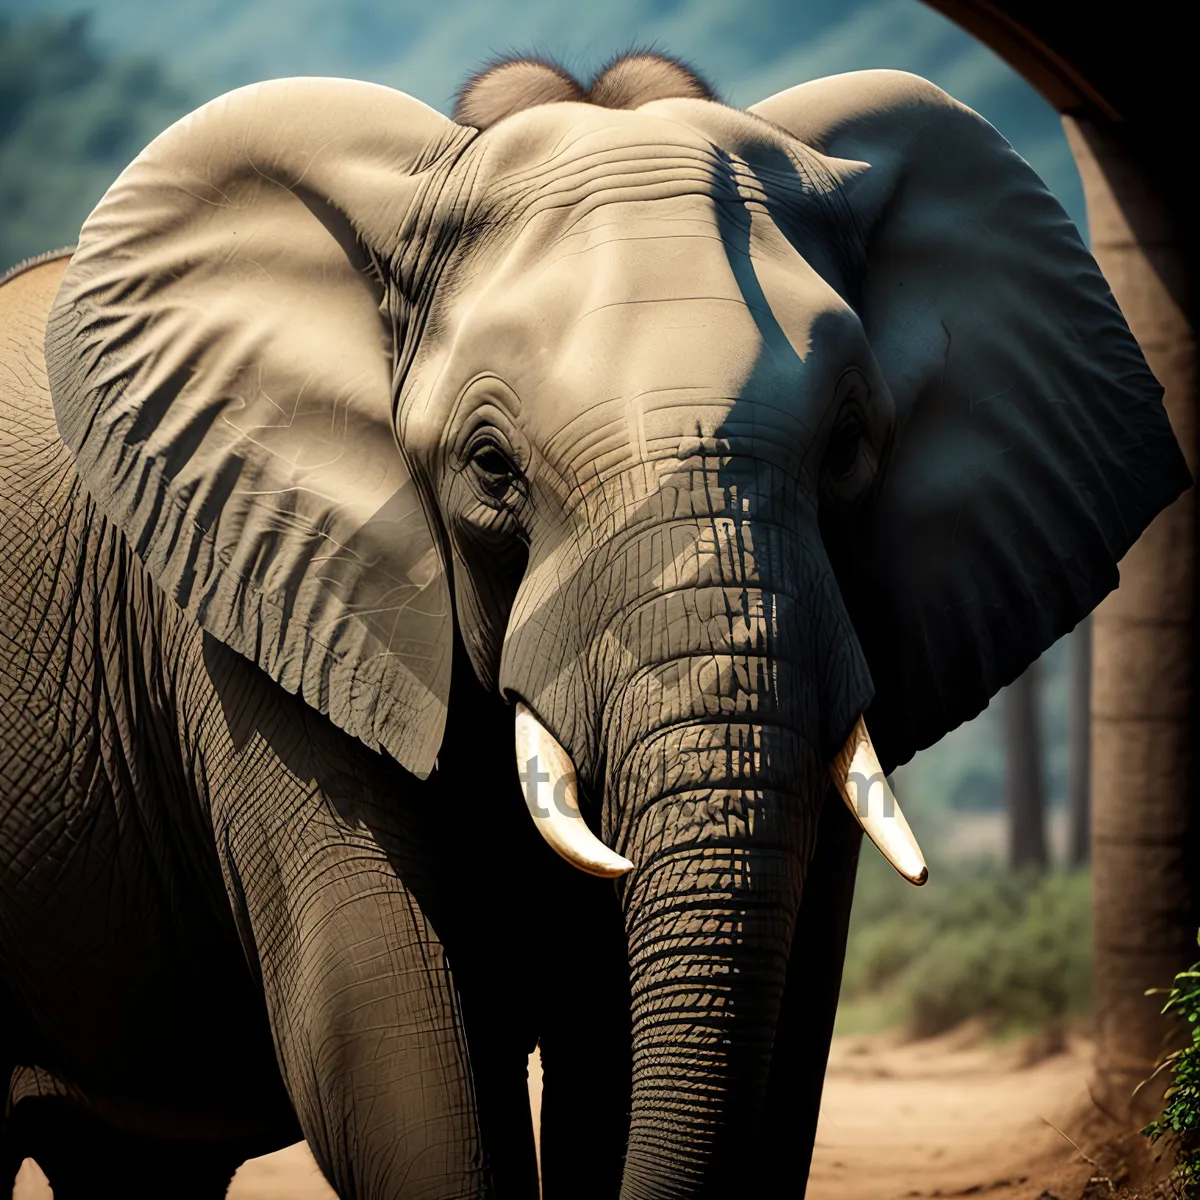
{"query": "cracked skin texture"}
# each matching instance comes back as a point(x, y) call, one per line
point(700, 431)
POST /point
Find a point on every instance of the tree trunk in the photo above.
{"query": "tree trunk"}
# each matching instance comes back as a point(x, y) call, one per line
point(1079, 744)
point(1024, 795)
point(1144, 821)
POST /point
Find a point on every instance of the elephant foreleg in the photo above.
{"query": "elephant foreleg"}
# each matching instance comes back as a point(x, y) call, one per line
point(335, 878)
point(585, 1042)
point(83, 1157)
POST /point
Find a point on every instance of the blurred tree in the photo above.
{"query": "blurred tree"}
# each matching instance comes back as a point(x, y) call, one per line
point(1024, 791)
point(1146, 773)
point(1079, 742)
point(71, 119)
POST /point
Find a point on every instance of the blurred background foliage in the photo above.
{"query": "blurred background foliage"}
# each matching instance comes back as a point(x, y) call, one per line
point(1010, 947)
point(84, 86)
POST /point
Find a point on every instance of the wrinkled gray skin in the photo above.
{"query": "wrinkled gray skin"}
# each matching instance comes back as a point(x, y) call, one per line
point(701, 433)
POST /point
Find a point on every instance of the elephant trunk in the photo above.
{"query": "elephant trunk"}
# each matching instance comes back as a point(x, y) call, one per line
point(731, 679)
point(709, 917)
point(716, 771)
point(728, 678)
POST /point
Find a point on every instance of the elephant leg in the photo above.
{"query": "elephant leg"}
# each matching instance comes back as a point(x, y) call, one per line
point(84, 1158)
point(11, 1156)
point(490, 950)
point(499, 1043)
point(805, 1026)
point(340, 879)
point(585, 1045)
point(10, 1160)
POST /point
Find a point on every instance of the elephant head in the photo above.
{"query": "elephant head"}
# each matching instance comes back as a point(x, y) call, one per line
point(708, 431)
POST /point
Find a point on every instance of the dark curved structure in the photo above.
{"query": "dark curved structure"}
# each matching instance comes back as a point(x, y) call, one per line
point(1125, 87)
point(1082, 68)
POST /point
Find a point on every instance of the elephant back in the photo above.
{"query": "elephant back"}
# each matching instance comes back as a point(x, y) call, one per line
point(33, 459)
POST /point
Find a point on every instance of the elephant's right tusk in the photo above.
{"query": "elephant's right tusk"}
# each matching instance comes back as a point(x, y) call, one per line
point(554, 808)
point(854, 770)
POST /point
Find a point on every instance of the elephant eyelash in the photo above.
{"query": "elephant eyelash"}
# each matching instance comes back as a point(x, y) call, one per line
point(493, 461)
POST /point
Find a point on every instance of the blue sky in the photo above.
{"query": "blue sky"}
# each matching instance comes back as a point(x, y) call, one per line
point(748, 51)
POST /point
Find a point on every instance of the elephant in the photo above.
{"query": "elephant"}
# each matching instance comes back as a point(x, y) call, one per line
point(666, 446)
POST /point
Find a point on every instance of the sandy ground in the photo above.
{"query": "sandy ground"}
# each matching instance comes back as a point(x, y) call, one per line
point(954, 1116)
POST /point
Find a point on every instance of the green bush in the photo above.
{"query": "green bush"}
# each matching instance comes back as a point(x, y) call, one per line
point(1012, 948)
point(1180, 1119)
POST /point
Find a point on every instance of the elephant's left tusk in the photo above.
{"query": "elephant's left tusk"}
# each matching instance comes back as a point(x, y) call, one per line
point(554, 807)
point(855, 769)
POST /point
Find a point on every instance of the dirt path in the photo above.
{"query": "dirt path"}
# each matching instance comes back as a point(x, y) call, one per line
point(956, 1116)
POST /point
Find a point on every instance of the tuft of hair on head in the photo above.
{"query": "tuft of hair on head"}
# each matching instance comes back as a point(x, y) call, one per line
point(511, 85)
point(639, 76)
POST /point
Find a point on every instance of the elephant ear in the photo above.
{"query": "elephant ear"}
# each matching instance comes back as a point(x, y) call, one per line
point(1031, 445)
point(223, 356)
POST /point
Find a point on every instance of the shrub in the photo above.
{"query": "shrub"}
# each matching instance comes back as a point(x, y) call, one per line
point(1180, 1119)
point(1013, 948)
point(1019, 966)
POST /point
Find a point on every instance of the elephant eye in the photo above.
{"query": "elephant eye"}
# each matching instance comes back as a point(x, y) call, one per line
point(850, 464)
point(493, 471)
point(841, 456)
